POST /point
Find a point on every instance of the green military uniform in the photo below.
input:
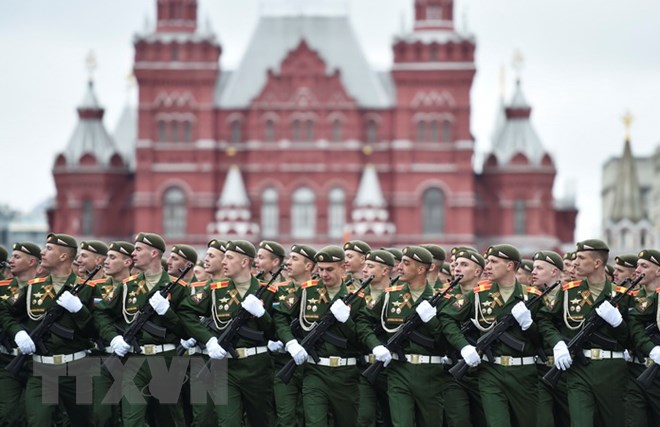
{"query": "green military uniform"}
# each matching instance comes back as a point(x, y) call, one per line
point(331, 386)
point(248, 389)
point(116, 312)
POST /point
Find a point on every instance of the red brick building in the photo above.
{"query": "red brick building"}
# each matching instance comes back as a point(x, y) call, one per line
point(305, 141)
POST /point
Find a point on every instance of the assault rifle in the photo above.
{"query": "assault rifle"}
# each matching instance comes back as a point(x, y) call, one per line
point(319, 332)
point(646, 378)
point(49, 324)
point(408, 331)
point(142, 319)
point(499, 333)
point(589, 333)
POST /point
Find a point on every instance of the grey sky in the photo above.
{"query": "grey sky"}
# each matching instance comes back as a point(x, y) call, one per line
point(586, 63)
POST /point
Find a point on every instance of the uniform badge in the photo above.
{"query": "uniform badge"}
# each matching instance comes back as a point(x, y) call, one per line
point(199, 296)
point(291, 300)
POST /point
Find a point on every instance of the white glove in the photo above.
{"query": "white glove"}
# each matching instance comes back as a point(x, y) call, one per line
point(382, 354)
point(215, 350)
point(159, 303)
point(426, 311)
point(626, 356)
point(70, 302)
point(609, 314)
point(254, 305)
point(523, 315)
point(655, 354)
point(119, 346)
point(276, 346)
point(563, 359)
point(470, 355)
point(189, 343)
point(24, 342)
point(296, 351)
point(340, 311)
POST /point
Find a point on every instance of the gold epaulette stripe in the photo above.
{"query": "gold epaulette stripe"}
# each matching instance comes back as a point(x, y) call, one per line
point(394, 288)
point(633, 293)
point(198, 284)
point(309, 284)
point(37, 280)
point(98, 281)
point(620, 289)
point(483, 287)
point(129, 278)
point(5, 282)
point(272, 289)
point(533, 290)
point(219, 285)
point(285, 283)
point(571, 285)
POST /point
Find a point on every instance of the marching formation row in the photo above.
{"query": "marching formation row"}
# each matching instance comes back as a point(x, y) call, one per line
point(346, 335)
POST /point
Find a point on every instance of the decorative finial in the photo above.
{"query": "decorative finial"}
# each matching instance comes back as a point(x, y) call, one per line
point(230, 151)
point(367, 150)
point(502, 82)
point(90, 63)
point(518, 62)
point(627, 123)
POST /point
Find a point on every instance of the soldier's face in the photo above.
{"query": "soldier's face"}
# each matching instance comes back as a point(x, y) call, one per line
point(622, 273)
point(213, 261)
point(265, 260)
point(353, 261)
point(50, 256)
point(542, 274)
point(115, 263)
point(650, 271)
point(380, 271)
point(524, 276)
point(87, 260)
point(496, 268)
point(199, 273)
point(584, 263)
point(175, 262)
point(410, 269)
point(142, 255)
point(296, 265)
point(467, 268)
point(330, 273)
point(21, 262)
point(234, 264)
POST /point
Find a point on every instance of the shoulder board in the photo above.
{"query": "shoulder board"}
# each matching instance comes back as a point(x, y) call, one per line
point(98, 281)
point(448, 295)
point(198, 284)
point(130, 278)
point(658, 290)
point(6, 282)
point(219, 285)
point(620, 289)
point(633, 293)
point(394, 288)
point(361, 294)
point(533, 290)
point(182, 282)
point(309, 284)
point(272, 288)
point(571, 285)
point(37, 280)
point(484, 285)
point(285, 283)
point(91, 283)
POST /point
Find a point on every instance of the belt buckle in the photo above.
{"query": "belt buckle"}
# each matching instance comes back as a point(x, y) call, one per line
point(58, 359)
point(648, 362)
point(149, 349)
point(596, 354)
point(242, 352)
point(372, 358)
point(550, 361)
point(505, 360)
point(415, 359)
point(334, 361)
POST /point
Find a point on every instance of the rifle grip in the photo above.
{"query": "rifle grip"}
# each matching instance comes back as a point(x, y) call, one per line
point(459, 370)
point(371, 373)
point(552, 377)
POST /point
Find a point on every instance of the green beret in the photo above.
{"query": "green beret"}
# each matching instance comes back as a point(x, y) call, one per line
point(592, 245)
point(396, 253)
point(185, 251)
point(163, 263)
point(357, 246)
point(627, 260)
point(273, 247)
point(151, 239)
point(122, 247)
point(381, 256)
point(457, 249)
point(304, 250)
point(95, 246)
point(200, 263)
point(3, 254)
point(242, 247)
point(504, 251)
point(446, 269)
point(220, 245)
point(568, 256)
point(609, 270)
point(330, 254)
point(472, 255)
point(527, 265)
point(28, 248)
point(650, 255)
point(551, 258)
point(419, 254)
point(62, 240)
point(436, 250)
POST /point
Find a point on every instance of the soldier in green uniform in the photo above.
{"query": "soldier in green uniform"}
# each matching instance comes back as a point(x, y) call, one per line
point(507, 384)
point(31, 304)
point(118, 310)
point(568, 275)
point(398, 256)
point(180, 256)
point(3, 262)
point(444, 275)
point(414, 383)
point(200, 273)
point(374, 403)
point(23, 266)
point(439, 256)
point(553, 402)
point(249, 389)
point(643, 404)
point(116, 267)
point(524, 273)
point(330, 386)
point(91, 254)
point(624, 268)
point(355, 253)
point(594, 390)
point(270, 256)
point(462, 400)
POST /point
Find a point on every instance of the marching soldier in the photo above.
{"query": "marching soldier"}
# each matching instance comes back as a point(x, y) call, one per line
point(398, 256)
point(330, 386)
point(524, 273)
point(643, 404)
point(624, 268)
point(3, 262)
point(180, 256)
point(249, 389)
point(439, 256)
point(270, 256)
point(355, 253)
point(593, 389)
point(568, 275)
point(119, 309)
point(91, 254)
point(199, 272)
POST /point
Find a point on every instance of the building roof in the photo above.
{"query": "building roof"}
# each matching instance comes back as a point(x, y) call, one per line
point(331, 36)
point(627, 195)
point(233, 191)
point(125, 134)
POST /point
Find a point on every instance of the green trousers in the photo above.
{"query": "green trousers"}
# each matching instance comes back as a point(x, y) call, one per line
point(374, 409)
point(595, 392)
point(642, 405)
point(463, 402)
point(201, 414)
point(288, 397)
point(12, 393)
point(508, 394)
point(332, 391)
point(552, 409)
point(106, 414)
point(415, 394)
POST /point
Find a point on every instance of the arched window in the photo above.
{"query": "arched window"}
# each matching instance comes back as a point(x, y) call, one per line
point(336, 130)
point(447, 131)
point(295, 131)
point(421, 131)
point(519, 217)
point(269, 131)
point(372, 131)
point(161, 131)
point(309, 131)
point(433, 211)
point(187, 132)
point(435, 135)
point(174, 52)
point(235, 131)
point(87, 222)
point(336, 212)
point(269, 213)
point(303, 213)
point(174, 126)
point(174, 212)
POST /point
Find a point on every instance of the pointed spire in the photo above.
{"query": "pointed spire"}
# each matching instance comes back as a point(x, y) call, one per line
point(233, 216)
point(233, 192)
point(627, 197)
point(370, 215)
